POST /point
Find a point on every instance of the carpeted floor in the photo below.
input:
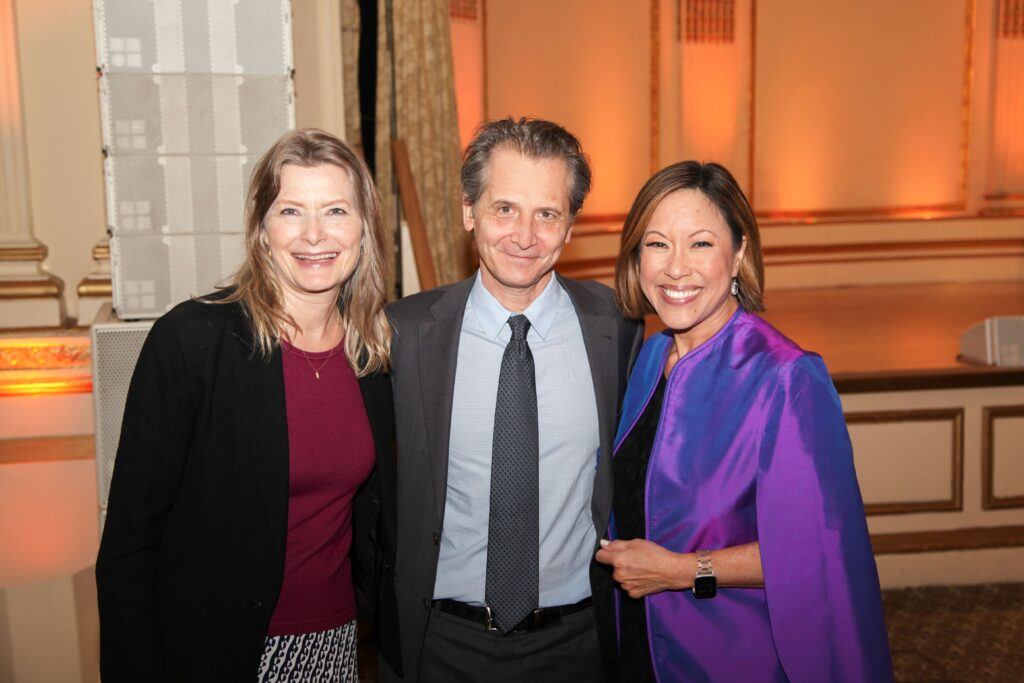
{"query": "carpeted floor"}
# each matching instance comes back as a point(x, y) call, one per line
point(957, 634)
point(941, 634)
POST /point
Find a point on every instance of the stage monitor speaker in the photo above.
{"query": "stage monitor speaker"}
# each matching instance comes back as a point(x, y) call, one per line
point(995, 341)
point(115, 350)
point(191, 94)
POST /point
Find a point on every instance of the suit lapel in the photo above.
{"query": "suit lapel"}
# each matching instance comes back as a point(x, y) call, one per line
point(264, 422)
point(438, 356)
point(597, 321)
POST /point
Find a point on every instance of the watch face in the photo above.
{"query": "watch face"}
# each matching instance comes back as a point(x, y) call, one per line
point(705, 587)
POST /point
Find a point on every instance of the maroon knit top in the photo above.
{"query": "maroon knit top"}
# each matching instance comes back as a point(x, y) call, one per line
point(330, 455)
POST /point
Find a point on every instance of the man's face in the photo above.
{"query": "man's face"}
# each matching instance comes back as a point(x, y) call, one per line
point(520, 223)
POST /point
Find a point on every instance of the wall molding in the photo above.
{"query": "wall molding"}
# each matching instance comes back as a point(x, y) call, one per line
point(989, 415)
point(38, 287)
point(967, 377)
point(597, 224)
point(973, 538)
point(815, 254)
point(46, 449)
point(955, 416)
point(35, 252)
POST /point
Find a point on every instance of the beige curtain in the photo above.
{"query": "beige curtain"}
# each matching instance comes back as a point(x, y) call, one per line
point(350, 64)
point(416, 103)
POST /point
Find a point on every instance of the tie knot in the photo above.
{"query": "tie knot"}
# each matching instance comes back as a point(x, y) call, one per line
point(520, 325)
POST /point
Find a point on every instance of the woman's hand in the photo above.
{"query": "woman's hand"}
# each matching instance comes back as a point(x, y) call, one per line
point(643, 568)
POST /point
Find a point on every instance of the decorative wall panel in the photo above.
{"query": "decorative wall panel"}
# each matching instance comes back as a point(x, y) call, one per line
point(928, 442)
point(192, 93)
point(1002, 456)
point(713, 86)
point(1005, 181)
point(585, 64)
point(862, 106)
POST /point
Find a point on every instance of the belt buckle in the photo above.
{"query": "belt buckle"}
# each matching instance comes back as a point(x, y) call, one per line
point(542, 618)
point(489, 619)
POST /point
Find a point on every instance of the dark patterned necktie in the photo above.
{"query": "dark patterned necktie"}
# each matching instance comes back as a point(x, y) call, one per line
point(513, 565)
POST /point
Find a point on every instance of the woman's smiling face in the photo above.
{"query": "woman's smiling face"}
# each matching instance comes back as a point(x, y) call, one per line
point(314, 229)
point(687, 262)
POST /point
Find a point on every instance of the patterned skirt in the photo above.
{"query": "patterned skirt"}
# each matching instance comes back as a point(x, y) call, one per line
point(322, 657)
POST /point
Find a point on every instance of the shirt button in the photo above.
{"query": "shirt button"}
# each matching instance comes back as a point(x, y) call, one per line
point(256, 606)
point(437, 538)
point(426, 603)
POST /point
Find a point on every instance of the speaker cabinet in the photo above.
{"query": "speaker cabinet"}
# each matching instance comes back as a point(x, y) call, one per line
point(115, 350)
point(995, 341)
point(191, 94)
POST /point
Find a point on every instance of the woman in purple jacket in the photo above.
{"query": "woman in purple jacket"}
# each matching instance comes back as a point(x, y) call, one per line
point(742, 552)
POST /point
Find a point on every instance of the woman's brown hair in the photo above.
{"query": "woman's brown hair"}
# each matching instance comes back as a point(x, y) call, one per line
point(362, 297)
point(718, 185)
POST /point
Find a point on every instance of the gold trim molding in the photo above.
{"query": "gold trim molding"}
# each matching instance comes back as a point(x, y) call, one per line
point(95, 288)
point(34, 253)
point(43, 387)
point(18, 354)
point(955, 416)
point(42, 288)
point(989, 500)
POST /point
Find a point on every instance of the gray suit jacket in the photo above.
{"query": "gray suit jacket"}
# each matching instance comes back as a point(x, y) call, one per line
point(424, 352)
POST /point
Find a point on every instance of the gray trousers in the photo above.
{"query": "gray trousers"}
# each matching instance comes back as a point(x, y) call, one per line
point(456, 649)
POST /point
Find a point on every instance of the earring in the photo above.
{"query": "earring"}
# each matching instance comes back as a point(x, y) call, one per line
point(734, 288)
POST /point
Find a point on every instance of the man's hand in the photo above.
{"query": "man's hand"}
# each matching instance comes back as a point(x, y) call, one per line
point(643, 568)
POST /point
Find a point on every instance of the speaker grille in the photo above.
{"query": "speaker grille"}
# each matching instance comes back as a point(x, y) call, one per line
point(191, 94)
point(115, 350)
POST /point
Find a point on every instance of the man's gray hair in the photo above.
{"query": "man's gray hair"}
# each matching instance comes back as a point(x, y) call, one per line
point(534, 138)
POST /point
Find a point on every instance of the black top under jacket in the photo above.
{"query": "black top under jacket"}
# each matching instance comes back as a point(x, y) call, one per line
point(630, 477)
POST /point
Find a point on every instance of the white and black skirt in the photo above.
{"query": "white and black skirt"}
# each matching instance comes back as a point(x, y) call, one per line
point(321, 657)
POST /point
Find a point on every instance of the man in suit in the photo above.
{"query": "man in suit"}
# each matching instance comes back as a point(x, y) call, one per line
point(507, 387)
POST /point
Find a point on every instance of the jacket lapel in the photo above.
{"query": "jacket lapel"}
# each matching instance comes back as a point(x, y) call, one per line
point(438, 356)
point(597, 321)
point(264, 422)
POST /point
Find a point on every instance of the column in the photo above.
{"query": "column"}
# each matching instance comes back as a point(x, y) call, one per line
point(95, 288)
point(29, 296)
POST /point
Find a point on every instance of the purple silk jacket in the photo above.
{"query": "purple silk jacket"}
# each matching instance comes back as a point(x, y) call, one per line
point(752, 446)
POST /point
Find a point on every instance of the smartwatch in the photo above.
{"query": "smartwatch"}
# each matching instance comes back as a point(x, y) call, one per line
point(705, 585)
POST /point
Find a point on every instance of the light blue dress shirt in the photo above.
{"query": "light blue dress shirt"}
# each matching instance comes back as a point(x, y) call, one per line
point(569, 441)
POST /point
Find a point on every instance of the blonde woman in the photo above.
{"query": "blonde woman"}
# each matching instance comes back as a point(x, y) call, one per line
point(254, 417)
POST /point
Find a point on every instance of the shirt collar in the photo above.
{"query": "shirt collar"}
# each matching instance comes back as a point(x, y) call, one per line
point(492, 316)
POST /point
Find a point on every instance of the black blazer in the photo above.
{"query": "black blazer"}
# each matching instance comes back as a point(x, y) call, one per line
point(424, 354)
point(192, 556)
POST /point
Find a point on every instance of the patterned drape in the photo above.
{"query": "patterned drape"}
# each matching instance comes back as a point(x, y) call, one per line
point(350, 64)
point(416, 103)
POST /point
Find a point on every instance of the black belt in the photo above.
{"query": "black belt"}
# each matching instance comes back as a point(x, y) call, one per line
point(534, 621)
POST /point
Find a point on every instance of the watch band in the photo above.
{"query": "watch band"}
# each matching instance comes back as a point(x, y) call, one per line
point(705, 585)
point(704, 567)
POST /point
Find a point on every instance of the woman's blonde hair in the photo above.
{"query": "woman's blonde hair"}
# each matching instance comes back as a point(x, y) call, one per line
point(716, 183)
point(362, 297)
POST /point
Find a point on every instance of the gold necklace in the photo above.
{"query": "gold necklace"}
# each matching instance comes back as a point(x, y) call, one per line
point(316, 370)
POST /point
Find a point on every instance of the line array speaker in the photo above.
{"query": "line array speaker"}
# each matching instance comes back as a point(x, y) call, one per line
point(191, 93)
